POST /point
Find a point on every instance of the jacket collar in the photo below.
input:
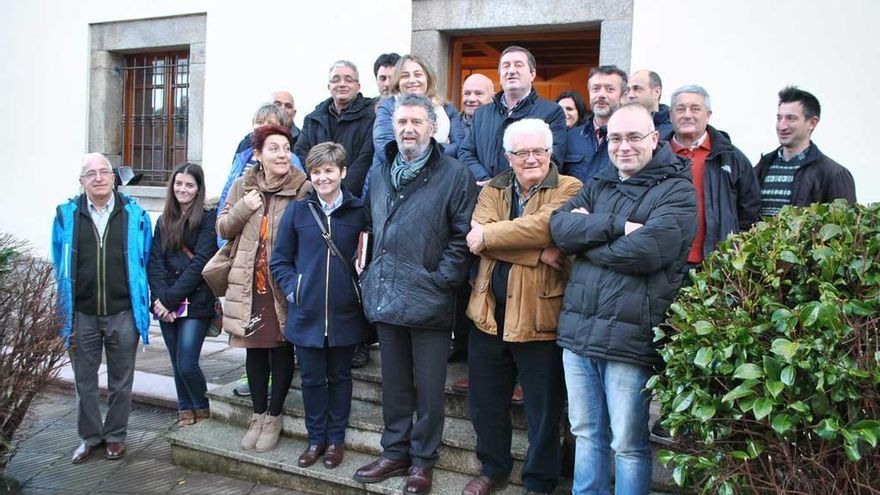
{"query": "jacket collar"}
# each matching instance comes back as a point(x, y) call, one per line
point(292, 184)
point(354, 111)
point(665, 164)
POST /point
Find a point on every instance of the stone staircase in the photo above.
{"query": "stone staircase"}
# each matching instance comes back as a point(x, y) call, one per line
point(213, 445)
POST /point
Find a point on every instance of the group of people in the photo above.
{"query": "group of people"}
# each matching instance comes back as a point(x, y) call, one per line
point(562, 235)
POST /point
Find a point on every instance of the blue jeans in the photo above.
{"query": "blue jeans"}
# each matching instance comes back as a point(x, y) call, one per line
point(184, 338)
point(608, 409)
point(326, 390)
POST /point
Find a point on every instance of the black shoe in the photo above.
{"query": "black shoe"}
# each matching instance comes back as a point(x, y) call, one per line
point(361, 356)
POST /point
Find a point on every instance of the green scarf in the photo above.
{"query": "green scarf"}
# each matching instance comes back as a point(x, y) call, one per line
point(403, 172)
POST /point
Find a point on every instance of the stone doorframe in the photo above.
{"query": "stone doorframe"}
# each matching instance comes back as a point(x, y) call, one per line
point(434, 21)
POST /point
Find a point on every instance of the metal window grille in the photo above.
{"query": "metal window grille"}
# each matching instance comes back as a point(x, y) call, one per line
point(155, 113)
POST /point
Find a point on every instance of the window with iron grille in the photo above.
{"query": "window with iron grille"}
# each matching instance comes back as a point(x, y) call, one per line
point(154, 113)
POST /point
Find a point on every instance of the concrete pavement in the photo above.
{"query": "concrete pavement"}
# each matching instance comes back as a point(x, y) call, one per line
point(48, 436)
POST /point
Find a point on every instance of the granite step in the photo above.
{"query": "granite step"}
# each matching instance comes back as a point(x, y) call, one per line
point(365, 429)
point(213, 446)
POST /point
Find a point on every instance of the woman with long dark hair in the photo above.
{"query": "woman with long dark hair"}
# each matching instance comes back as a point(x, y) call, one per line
point(574, 106)
point(184, 240)
point(255, 308)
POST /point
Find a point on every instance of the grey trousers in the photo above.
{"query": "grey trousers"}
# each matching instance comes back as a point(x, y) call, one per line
point(91, 335)
point(413, 381)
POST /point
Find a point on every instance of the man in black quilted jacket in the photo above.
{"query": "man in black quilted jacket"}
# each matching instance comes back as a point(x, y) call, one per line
point(419, 208)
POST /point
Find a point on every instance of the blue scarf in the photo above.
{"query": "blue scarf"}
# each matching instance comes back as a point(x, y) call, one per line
point(403, 172)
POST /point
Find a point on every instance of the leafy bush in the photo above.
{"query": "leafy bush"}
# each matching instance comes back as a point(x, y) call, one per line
point(31, 351)
point(772, 378)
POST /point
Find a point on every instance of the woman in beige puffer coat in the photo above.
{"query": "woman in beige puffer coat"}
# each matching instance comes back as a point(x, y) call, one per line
point(255, 308)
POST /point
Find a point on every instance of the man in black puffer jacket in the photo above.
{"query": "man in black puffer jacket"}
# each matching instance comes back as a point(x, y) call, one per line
point(345, 118)
point(419, 207)
point(630, 228)
point(481, 149)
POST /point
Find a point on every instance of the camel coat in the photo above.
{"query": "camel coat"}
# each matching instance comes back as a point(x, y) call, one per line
point(534, 289)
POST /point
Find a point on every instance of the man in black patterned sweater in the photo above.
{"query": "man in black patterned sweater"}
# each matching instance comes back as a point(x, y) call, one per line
point(797, 173)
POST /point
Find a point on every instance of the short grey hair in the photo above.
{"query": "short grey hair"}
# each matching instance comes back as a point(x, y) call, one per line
point(527, 126)
point(270, 109)
point(89, 158)
point(415, 100)
point(694, 90)
point(345, 63)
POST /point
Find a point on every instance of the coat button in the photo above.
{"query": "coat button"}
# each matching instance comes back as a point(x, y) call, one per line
point(378, 308)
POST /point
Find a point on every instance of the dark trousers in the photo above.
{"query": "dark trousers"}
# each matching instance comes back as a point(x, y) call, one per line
point(184, 339)
point(493, 367)
point(258, 364)
point(326, 390)
point(463, 325)
point(413, 381)
point(116, 336)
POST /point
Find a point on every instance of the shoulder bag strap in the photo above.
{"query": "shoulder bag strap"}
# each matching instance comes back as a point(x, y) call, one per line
point(329, 241)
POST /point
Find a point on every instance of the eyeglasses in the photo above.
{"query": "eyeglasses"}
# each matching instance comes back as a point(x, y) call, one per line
point(538, 153)
point(337, 80)
point(617, 139)
point(92, 174)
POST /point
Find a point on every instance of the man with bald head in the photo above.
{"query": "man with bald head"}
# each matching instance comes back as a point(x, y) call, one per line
point(630, 228)
point(645, 88)
point(476, 91)
point(284, 101)
point(100, 247)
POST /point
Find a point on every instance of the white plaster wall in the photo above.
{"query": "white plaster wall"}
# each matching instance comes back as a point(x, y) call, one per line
point(252, 48)
point(744, 52)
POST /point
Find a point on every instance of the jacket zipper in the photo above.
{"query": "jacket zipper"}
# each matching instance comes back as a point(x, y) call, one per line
point(101, 261)
point(327, 283)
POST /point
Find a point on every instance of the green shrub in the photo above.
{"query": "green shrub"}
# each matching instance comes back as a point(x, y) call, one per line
point(772, 378)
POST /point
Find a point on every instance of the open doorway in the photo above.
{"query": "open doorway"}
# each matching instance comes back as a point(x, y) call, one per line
point(563, 59)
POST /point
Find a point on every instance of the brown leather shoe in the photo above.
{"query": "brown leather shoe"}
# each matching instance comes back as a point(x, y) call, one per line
point(186, 418)
point(202, 414)
point(460, 386)
point(333, 456)
point(483, 485)
point(380, 470)
point(310, 455)
point(82, 453)
point(419, 480)
point(115, 450)
point(517, 397)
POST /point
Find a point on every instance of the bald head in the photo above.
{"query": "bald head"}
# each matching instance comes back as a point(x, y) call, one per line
point(94, 160)
point(96, 177)
point(476, 91)
point(631, 139)
point(645, 89)
point(284, 101)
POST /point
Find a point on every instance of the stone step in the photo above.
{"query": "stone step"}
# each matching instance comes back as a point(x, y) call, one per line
point(213, 446)
point(365, 429)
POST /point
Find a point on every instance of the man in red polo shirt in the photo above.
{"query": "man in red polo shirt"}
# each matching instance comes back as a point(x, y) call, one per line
point(728, 195)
